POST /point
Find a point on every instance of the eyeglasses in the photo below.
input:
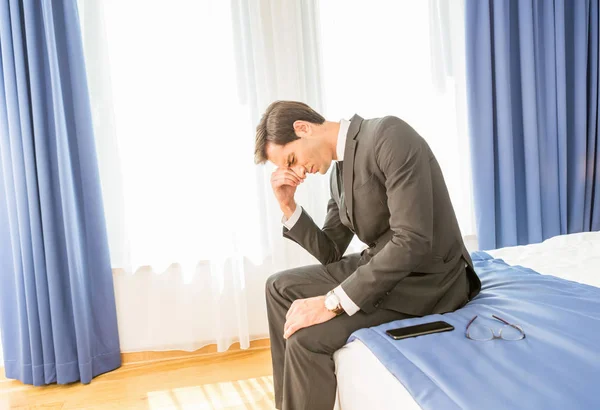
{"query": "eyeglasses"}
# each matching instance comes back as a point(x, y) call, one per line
point(484, 333)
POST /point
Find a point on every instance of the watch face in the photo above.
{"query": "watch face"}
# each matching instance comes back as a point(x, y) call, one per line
point(331, 301)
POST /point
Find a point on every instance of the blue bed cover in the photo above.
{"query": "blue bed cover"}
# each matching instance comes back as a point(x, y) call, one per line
point(557, 365)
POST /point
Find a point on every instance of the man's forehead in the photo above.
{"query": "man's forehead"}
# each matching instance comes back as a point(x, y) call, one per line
point(278, 154)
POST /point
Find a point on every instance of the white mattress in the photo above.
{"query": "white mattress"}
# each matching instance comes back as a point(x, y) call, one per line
point(364, 383)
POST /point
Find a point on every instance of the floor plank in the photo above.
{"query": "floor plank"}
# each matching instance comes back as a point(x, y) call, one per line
point(238, 380)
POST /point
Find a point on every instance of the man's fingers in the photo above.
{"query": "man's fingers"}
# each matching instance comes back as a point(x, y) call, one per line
point(300, 177)
point(291, 317)
point(290, 181)
point(291, 329)
point(279, 181)
point(280, 177)
point(287, 172)
point(290, 175)
point(294, 320)
point(294, 308)
point(290, 311)
point(286, 327)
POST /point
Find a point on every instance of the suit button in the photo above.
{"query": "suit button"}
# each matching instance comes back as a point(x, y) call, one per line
point(388, 292)
point(372, 245)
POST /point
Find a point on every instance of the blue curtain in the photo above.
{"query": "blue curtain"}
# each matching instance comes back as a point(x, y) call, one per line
point(57, 303)
point(532, 82)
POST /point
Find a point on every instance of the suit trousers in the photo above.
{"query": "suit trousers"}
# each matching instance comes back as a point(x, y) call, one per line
point(303, 367)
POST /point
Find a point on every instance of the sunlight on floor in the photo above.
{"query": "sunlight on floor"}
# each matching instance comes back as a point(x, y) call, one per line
point(254, 394)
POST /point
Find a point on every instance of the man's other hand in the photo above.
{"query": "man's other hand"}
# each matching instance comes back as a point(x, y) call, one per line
point(304, 313)
point(284, 182)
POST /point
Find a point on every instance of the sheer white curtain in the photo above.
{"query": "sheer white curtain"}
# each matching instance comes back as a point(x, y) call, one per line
point(177, 89)
point(404, 58)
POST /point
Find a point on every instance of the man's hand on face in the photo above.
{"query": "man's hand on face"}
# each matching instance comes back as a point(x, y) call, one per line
point(284, 182)
point(304, 313)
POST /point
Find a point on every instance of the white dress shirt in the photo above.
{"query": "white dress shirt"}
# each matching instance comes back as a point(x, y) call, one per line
point(349, 306)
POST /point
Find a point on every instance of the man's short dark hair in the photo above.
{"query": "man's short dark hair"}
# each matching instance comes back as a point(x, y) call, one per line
point(277, 125)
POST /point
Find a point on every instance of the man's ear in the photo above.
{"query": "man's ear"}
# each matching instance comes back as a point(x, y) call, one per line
point(302, 128)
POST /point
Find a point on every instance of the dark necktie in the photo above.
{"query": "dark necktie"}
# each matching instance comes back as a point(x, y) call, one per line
point(340, 178)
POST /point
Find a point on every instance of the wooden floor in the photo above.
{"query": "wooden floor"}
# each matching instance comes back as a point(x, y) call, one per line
point(233, 380)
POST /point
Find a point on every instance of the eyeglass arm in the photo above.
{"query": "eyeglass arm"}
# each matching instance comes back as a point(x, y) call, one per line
point(507, 323)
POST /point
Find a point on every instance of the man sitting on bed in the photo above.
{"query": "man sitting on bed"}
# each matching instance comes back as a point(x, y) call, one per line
point(387, 188)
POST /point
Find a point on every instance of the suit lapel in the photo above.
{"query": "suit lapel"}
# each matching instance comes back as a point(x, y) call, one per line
point(348, 170)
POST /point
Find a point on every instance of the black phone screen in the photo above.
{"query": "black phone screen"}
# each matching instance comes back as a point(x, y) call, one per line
point(418, 330)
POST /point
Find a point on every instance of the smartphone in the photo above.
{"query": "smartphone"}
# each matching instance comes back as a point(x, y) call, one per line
point(419, 330)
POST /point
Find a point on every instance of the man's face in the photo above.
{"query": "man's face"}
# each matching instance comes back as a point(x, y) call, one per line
point(307, 155)
point(303, 156)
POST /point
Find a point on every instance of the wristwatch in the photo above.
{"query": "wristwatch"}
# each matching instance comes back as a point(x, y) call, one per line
point(332, 303)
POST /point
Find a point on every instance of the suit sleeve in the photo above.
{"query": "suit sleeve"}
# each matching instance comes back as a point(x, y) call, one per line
point(403, 157)
point(328, 244)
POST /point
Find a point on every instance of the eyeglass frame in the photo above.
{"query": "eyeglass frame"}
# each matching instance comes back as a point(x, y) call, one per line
point(493, 332)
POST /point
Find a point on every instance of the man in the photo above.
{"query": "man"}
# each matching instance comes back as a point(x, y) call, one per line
point(387, 188)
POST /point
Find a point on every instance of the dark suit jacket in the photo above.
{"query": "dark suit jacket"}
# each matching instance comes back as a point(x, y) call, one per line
point(392, 194)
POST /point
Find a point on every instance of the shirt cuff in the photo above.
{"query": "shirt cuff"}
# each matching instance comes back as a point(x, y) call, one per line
point(349, 306)
point(289, 223)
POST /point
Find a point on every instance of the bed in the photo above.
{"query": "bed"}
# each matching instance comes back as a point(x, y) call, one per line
point(365, 383)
